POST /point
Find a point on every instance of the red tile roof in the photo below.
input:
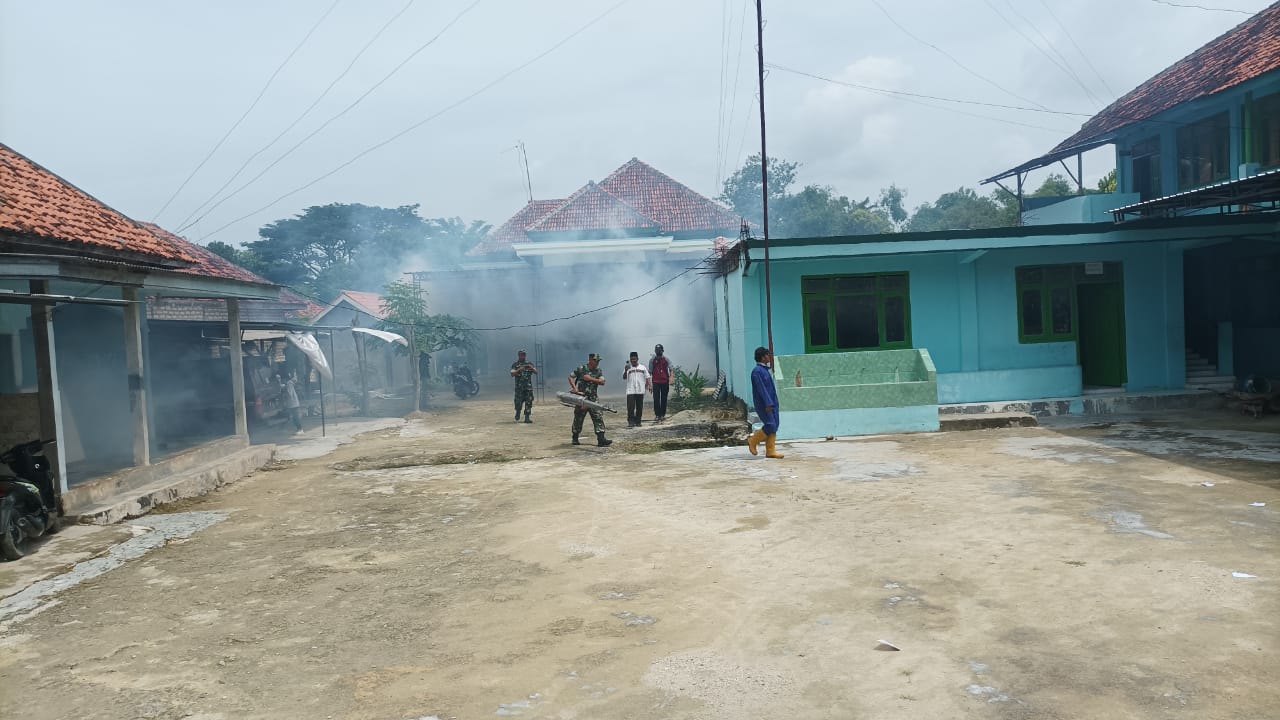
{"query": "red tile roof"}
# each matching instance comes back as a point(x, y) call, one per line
point(673, 205)
point(1247, 51)
point(207, 263)
point(370, 303)
point(635, 196)
point(37, 205)
point(513, 230)
point(307, 308)
point(594, 209)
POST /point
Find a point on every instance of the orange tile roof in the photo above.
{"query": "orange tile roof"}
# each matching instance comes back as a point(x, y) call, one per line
point(635, 196)
point(1247, 51)
point(207, 263)
point(39, 206)
point(368, 302)
point(675, 206)
point(593, 208)
point(513, 230)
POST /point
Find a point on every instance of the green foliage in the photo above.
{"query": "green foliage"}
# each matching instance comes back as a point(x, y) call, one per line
point(689, 384)
point(244, 258)
point(1107, 183)
point(815, 211)
point(742, 189)
point(964, 209)
point(1056, 185)
point(406, 305)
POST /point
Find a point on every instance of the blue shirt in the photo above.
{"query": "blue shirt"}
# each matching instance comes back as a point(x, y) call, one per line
point(764, 393)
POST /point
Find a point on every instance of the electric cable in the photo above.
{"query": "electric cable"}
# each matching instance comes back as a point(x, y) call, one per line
point(1079, 50)
point(1063, 66)
point(344, 111)
point(323, 94)
point(952, 58)
point(252, 105)
point(583, 28)
point(1202, 7)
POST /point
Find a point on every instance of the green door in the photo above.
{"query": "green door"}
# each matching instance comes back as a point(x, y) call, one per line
point(1101, 334)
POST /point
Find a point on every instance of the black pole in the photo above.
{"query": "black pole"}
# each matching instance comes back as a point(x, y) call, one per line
point(764, 177)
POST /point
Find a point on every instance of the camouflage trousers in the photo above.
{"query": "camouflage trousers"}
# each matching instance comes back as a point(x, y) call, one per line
point(524, 398)
point(597, 420)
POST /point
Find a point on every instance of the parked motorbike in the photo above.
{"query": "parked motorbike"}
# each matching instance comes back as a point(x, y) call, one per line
point(28, 508)
point(463, 384)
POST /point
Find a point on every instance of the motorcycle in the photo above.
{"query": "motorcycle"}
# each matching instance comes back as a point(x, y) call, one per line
point(28, 508)
point(463, 385)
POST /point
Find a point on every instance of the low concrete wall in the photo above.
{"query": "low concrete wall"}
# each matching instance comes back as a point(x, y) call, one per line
point(857, 421)
point(101, 489)
point(1013, 384)
point(19, 419)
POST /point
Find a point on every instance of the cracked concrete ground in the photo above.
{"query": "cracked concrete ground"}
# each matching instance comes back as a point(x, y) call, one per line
point(1079, 570)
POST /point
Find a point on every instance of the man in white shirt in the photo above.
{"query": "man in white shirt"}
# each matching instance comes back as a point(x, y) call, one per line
point(638, 383)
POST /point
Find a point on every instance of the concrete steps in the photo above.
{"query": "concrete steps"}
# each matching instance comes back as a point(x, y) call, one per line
point(1203, 375)
point(133, 500)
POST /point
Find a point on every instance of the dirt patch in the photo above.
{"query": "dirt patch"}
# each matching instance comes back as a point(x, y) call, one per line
point(420, 459)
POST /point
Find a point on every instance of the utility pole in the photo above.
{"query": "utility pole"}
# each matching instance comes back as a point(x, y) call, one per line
point(414, 359)
point(764, 177)
point(528, 182)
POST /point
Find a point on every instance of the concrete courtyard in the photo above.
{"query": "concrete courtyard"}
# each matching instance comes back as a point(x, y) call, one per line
point(462, 566)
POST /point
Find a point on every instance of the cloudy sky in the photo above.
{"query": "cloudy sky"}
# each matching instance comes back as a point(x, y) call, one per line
point(126, 98)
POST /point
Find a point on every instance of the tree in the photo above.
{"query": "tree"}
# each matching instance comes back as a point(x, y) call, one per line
point(818, 212)
point(449, 239)
point(330, 248)
point(741, 190)
point(1056, 185)
point(815, 211)
point(1107, 183)
point(244, 258)
point(406, 313)
point(964, 209)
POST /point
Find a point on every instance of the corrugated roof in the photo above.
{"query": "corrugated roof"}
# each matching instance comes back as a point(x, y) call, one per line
point(207, 262)
point(37, 204)
point(1247, 51)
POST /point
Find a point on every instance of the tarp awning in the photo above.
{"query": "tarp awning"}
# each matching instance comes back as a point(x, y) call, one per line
point(1052, 157)
point(382, 335)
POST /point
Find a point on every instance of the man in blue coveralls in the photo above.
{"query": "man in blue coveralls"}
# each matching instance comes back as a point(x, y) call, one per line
point(765, 396)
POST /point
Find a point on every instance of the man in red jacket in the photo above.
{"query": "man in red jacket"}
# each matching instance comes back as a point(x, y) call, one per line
point(662, 372)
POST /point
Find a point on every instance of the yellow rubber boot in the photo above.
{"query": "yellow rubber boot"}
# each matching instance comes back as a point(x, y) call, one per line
point(753, 442)
point(770, 450)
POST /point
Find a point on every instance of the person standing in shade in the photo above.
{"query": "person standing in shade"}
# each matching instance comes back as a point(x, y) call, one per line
point(586, 381)
point(638, 383)
point(765, 396)
point(292, 404)
point(661, 372)
point(523, 371)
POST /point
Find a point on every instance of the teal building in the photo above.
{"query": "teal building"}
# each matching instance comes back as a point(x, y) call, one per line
point(1172, 283)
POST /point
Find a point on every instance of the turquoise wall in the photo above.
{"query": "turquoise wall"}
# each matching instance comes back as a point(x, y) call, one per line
point(1080, 209)
point(964, 312)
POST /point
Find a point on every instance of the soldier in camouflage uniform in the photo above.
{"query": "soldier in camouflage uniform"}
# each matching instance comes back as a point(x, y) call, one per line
point(586, 381)
point(523, 371)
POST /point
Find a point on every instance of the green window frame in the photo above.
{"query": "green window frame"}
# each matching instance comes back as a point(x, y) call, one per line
point(1047, 310)
point(856, 312)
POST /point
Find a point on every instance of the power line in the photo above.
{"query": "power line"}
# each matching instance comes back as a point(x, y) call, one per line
point(1202, 7)
point(952, 58)
point(923, 96)
point(252, 105)
point(304, 114)
point(344, 111)
point(1076, 45)
point(725, 21)
point(429, 118)
point(733, 103)
point(1064, 66)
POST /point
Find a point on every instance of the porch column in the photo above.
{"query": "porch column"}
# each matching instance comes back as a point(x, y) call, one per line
point(47, 381)
point(134, 314)
point(237, 367)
